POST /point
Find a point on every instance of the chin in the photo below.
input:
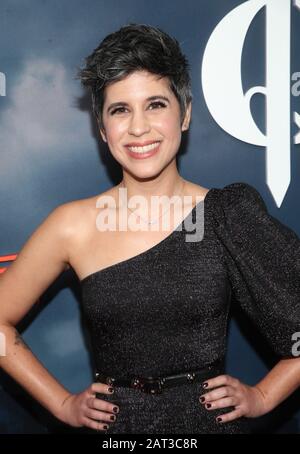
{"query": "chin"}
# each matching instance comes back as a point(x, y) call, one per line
point(145, 176)
point(143, 173)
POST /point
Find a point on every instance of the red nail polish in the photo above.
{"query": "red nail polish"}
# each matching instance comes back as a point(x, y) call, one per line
point(205, 385)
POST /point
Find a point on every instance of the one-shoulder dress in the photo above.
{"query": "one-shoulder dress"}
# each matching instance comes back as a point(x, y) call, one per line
point(165, 310)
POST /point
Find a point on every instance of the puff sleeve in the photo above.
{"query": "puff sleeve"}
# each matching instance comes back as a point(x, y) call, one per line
point(263, 262)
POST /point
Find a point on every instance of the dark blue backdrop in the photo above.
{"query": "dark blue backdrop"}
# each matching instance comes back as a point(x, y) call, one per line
point(50, 153)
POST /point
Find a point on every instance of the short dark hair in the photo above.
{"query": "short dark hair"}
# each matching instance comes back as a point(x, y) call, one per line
point(132, 48)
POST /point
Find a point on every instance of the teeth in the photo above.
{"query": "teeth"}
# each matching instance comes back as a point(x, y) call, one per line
point(144, 149)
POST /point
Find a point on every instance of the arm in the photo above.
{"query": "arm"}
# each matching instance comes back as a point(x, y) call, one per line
point(263, 262)
point(253, 401)
point(280, 382)
point(43, 257)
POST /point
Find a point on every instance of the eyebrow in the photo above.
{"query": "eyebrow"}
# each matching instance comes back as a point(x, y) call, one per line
point(151, 98)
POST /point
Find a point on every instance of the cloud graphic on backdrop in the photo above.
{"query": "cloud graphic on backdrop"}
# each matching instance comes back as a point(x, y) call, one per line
point(44, 137)
point(42, 112)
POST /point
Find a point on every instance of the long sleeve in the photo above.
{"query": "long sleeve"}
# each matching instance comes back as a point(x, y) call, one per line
point(263, 261)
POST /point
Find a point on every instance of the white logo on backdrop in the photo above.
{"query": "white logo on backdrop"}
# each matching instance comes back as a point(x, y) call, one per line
point(223, 86)
point(2, 84)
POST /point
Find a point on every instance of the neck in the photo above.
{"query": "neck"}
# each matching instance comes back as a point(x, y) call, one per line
point(158, 186)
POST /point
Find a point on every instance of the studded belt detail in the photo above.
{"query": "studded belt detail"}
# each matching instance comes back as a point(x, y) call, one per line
point(155, 385)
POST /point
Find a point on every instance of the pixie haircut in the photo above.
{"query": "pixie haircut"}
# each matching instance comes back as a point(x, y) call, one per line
point(132, 48)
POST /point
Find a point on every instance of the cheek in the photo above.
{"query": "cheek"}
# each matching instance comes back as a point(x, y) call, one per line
point(170, 127)
point(115, 133)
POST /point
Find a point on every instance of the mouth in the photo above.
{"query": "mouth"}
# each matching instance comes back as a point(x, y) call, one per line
point(145, 151)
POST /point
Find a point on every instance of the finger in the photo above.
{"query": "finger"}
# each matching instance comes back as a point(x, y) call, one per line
point(220, 380)
point(95, 403)
point(235, 414)
point(217, 393)
point(222, 403)
point(99, 404)
point(100, 415)
point(101, 388)
point(97, 425)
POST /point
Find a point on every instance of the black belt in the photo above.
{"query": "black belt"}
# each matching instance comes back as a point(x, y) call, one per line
point(155, 385)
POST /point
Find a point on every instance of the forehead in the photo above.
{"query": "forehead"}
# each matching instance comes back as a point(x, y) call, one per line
point(138, 85)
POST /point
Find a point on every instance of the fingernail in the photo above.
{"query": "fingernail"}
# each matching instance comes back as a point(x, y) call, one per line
point(205, 385)
point(202, 399)
point(110, 390)
point(208, 405)
point(105, 427)
point(113, 418)
point(115, 409)
point(219, 419)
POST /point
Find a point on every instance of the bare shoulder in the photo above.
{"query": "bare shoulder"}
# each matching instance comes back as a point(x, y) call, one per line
point(77, 219)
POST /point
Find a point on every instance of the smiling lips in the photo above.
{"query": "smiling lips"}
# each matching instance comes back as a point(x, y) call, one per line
point(143, 151)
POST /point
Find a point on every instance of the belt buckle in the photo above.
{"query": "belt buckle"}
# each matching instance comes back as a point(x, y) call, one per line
point(150, 386)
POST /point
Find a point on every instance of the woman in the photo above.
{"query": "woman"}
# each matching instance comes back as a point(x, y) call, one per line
point(156, 301)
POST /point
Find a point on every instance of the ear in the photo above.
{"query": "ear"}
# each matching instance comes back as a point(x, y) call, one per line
point(103, 135)
point(187, 118)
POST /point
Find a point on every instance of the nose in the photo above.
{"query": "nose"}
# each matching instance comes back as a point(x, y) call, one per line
point(139, 124)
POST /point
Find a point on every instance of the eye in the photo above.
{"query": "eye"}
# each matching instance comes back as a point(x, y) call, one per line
point(158, 104)
point(118, 109)
point(155, 104)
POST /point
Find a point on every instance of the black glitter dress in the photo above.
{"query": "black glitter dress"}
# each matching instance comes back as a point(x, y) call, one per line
point(165, 310)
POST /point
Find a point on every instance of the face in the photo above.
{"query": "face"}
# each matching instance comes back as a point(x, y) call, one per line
point(141, 118)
